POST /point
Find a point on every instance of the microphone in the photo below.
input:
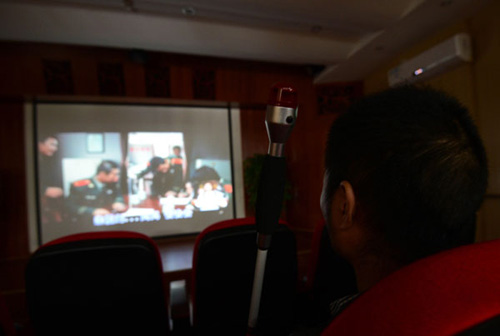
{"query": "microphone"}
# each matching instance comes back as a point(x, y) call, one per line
point(280, 119)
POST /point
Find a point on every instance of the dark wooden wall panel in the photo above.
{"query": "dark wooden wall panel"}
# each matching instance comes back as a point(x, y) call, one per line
point(253, 128)
point(135, 80)
point(85, 76)
point(233, 82)
point(181, 82)
point(13, 221)
point(14, 249)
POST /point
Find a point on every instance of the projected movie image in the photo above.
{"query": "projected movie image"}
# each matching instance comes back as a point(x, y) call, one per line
point(124, 176)
point(158, 178)
point(91, 184)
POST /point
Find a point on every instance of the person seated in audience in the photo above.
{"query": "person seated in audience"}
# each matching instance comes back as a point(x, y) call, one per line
point(405, 174)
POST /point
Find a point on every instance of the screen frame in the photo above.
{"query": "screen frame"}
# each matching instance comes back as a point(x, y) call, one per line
point(31, 152)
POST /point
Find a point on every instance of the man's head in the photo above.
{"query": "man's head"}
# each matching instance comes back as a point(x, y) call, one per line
point(406, 172)
point(158, 164)
point(108, 172)
point(48, 145)
point(177, 150)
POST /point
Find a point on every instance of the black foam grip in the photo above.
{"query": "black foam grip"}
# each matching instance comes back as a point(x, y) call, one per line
point(270, 194)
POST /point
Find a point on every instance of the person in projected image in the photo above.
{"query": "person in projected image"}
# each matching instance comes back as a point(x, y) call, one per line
point(187, 192)
point(98, 195)
point(50, 180)
point(210, 194)
point(168, 174)
point(210, 197)
point(177, 169)
point(162, 179)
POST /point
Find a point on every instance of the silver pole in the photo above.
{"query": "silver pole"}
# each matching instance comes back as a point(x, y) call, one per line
point(258, 280)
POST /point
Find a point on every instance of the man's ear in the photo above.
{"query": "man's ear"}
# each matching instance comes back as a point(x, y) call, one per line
point(344, 205)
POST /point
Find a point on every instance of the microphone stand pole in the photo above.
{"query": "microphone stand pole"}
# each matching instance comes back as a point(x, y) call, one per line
point(280, 118)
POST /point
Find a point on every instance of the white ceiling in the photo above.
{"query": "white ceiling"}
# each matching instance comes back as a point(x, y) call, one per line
point(349, 37)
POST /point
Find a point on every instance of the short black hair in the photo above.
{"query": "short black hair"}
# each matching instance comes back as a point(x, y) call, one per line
point(155, 162)
point(204, 174)
point(177, 147)
point(44, 136)
point(106, 166)
point(417, 165)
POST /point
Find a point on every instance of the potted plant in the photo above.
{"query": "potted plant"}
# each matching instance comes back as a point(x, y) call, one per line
point(252, 167)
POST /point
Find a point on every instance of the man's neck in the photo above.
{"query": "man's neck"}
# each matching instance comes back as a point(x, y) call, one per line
point(371, 269)
point(98, 182)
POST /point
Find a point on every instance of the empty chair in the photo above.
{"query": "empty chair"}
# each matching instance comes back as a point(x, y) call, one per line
point(453, 292)
point(102, 283)
point(223, 271)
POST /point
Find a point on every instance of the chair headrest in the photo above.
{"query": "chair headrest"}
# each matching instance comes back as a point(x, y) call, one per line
point(440, 295)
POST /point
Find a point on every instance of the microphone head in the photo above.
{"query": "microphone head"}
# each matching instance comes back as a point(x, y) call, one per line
point(280, 117)
point(283, 95)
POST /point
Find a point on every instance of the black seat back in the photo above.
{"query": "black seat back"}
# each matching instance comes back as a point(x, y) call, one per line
point(223, 271)
point(97, 283)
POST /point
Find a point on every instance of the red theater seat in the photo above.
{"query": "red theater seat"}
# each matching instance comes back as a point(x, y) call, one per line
point(102, 283)
point(223, 270)
point(445, 294)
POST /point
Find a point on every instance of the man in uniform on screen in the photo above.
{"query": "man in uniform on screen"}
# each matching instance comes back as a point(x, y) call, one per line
point(99, 195)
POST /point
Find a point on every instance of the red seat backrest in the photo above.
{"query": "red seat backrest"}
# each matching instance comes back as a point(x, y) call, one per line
point(230, 223)
point(102, 282)
point(443, 294)
point(223, 269)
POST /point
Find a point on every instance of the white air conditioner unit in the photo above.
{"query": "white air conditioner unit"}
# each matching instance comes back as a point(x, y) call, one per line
point(434, 61)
